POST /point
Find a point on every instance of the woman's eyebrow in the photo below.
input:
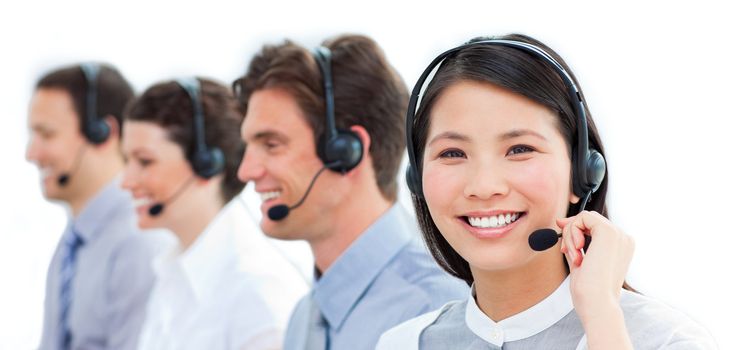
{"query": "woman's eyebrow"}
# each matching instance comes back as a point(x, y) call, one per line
point(450, 135)
point(520, 132)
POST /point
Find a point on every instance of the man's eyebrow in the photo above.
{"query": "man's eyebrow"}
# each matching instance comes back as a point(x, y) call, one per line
point(269, 134)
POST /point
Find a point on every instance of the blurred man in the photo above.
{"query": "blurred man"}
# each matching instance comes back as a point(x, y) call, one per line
point(100, 275)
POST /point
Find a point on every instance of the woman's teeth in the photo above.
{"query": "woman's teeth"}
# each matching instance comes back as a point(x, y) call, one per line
point(493, 221)
point(46, 172)
point(269, 195)
point(139, 202)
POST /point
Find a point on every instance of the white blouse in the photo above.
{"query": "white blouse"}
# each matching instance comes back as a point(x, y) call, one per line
point(231, 289)
point(550, 324)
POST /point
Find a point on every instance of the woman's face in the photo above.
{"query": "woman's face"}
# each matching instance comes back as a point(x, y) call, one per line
point(156, 168)
point(496, 169)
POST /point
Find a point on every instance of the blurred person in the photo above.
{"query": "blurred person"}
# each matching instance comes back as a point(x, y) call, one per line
point(100, 275)
point(224, 285)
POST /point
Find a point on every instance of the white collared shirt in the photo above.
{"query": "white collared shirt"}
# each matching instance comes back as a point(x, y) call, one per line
point(550, 324)
point(231, 289)
point(523, 325)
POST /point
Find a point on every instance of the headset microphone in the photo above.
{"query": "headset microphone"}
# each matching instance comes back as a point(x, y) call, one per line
point(545, 238)
point(157, 208)
point(340, 150)
point(94, 129)
point(279, 212)
point(65, 177)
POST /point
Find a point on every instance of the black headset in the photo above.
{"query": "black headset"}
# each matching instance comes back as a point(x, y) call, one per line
point(206, 161)
point(588, 165)
point(340, 150)
point(94, 128)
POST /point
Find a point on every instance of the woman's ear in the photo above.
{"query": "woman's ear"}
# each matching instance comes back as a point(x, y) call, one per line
point(573, 198)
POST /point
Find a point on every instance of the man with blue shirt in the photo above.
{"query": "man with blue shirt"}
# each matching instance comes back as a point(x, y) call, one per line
point(100, 275)
point(324, 132)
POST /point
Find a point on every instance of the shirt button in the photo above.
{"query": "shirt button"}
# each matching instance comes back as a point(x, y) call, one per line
point(495, 334)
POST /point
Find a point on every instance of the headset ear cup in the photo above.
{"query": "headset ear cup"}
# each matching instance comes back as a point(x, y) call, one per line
point(414, 183)
point(345, 151)
point(596, 169)
point(97, 131)
point(208, 163)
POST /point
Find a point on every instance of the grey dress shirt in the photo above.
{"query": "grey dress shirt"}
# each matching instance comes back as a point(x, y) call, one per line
point(385, 277)
point(113, 276)
point(550, 324)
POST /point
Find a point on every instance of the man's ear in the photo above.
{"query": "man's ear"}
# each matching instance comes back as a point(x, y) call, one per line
point(114, 127)
point(114, 130)
point(365, 138)
point(362, 134)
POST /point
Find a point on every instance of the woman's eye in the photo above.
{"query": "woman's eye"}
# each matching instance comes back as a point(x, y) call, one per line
point(145, 162)
point(452, 153)
point(518, 149)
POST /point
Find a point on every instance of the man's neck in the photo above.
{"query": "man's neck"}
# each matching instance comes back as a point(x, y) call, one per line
point(92, 185)
point(352, 220)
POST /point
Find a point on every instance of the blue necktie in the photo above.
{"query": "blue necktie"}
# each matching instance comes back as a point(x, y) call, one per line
point(317, 337)
point(71, 242)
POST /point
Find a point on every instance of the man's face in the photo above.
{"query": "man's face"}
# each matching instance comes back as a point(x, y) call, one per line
point(55, 141)
point(281, 161)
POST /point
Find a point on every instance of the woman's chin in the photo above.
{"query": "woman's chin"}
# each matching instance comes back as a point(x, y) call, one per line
point(146, 223)
point(495, 259)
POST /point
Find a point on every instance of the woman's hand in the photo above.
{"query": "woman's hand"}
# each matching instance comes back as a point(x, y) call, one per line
point(596, 277)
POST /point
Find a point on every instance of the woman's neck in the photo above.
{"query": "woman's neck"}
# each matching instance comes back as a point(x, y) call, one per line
point(190, 224)
point(502, 294)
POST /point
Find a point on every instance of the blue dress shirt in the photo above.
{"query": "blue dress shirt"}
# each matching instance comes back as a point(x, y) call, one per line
point(112, 276)
point(385, 277)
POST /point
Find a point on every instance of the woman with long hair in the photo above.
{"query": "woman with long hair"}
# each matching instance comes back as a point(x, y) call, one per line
point(505, 157)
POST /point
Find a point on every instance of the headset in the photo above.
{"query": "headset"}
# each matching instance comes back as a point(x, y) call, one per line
point(340, 150)
point(206, 161)
point(94, 128)
point(588, 165)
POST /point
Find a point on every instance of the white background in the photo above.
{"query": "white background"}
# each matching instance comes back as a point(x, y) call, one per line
point(656, 77)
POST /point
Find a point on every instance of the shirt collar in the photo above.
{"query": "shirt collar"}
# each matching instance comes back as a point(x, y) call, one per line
point(524, 324)
point(341, 287)
point(109, 201)
point(206, 259)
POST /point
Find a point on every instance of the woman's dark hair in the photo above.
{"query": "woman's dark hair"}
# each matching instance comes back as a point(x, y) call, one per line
point(519, 72)
point(168, 105)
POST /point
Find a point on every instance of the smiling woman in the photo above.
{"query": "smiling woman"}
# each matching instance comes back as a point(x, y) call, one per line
point(501, 146)
point(224, 286)
point(464, 176)
point(162, 144)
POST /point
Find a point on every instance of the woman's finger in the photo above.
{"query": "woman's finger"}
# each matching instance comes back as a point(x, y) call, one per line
point(586, 221)
point(578, 241)
point(568, 242)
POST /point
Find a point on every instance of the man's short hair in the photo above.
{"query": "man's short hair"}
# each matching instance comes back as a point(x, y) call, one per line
point(367, 91)
point(113, 90)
